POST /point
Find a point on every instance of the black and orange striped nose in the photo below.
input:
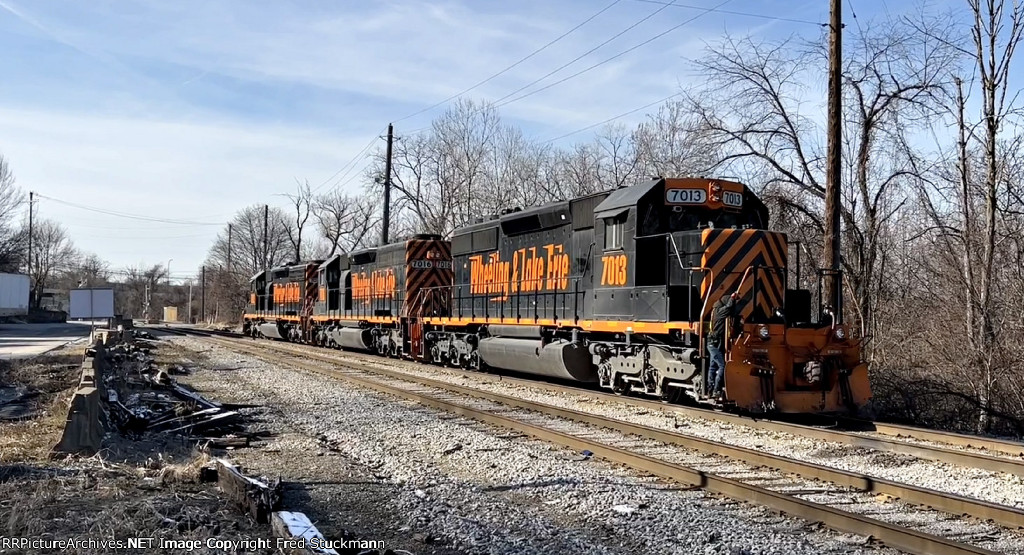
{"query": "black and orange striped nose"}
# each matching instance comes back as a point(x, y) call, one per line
point(728, 253)
point(428, 270)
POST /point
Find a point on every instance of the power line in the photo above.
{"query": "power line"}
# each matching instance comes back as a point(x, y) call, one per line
point(115, 213)
point(520, 61)
point(70, 222)
point(744, 14)
point(498, 102)
point(855, 19)
point(585, 54)
point(342, 181)
point(606, 60)
point(142, 236)
point(611, 119)
point(347, 164)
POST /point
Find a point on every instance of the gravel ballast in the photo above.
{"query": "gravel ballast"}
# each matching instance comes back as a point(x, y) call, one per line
point(444, 484)
point(995, 487)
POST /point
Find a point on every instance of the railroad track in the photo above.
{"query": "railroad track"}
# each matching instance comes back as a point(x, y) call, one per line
point(452, 398)
point(947, 447)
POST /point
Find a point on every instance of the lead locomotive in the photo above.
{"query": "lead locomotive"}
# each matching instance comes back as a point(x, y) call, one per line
point(614, 288)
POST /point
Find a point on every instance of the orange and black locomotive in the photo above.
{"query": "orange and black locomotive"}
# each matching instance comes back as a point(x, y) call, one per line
point(614, 288)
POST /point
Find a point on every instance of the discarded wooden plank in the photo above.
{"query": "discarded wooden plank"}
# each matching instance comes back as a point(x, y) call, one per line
point(221, 419)
point(254, 497)
point(192, 396)
point(296, 528)
point(222, 442)
point(175, 420)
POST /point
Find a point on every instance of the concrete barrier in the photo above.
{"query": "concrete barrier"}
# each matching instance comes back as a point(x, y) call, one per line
point(85, 426)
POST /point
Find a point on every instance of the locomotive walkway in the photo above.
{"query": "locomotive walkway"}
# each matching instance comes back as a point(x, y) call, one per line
point(549, 422)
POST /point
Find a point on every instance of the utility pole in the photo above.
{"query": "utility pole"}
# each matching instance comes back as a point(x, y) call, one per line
point(189, 317)
point(266, 216)
point(833, 177)
point(387, 187)
point(202, 303)
point(32, 196)
point(32, 296)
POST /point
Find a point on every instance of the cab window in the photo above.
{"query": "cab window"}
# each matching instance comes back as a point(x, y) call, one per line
point(614, 232)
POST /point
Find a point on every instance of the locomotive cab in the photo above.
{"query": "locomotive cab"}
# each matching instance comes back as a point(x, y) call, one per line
point(667, 250)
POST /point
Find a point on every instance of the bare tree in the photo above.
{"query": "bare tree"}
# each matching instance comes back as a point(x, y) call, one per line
point(135, 294)
point(302, 202)
point(672, 143)
point(89, 270)
point(996, 35)
point(892, 82)
point(247, 254)
point(575, 172)
point(52, 254)
point(441, 177)
point(345, 222)
point(230, 265)
point(12, 239)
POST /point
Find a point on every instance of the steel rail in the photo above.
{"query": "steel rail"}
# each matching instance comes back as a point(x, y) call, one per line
point(893, 535)
point(1007, 446)
point(942, 501)
point(930, 452)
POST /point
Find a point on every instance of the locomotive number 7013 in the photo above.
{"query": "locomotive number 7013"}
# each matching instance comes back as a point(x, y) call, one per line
point(613, 269)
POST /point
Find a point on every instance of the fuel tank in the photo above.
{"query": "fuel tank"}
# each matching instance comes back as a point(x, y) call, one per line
point(352, 338)
point(514, 331)
point(271, 330)
point(558, 359)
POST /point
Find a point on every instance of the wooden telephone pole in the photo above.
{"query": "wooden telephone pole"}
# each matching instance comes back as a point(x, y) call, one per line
point(387, 188)
point(833, 178)
point(31, 296)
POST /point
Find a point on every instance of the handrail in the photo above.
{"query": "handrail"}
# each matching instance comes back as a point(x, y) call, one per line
point(679, 257)
point(704, 306)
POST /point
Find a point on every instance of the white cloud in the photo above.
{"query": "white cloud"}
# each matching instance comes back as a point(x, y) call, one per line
point(192, 171)
point(194, 109)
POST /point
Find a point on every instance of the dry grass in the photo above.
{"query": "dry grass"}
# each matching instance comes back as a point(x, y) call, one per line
point(154, 491)
point(187, 472)
point(55, 377)
point(93, 499)
point(32, 440)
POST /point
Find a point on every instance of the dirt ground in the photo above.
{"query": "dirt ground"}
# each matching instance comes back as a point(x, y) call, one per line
point(342, 497)
point(131, 489)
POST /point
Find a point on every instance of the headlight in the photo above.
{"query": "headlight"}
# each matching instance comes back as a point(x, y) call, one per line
point(840, 333)
point(763, 333)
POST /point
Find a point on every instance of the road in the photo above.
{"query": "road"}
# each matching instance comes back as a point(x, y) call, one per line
point(27, 340)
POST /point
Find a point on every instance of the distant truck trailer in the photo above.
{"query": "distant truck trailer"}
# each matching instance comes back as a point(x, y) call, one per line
point(14, 292)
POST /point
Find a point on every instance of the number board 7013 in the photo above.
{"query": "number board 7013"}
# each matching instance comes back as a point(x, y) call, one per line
point(686, 196)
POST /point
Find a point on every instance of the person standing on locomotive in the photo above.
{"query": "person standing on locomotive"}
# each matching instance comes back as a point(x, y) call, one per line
point(722, 313)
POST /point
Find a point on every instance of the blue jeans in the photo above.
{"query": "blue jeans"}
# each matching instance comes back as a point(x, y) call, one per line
point(716, 370)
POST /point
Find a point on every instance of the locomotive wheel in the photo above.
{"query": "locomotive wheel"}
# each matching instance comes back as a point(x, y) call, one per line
point(673, 395)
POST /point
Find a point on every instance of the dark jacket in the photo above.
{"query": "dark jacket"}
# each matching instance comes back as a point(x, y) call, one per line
point(722, 312)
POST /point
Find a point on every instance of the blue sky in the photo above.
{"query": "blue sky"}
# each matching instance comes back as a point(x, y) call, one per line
point(191, 110)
